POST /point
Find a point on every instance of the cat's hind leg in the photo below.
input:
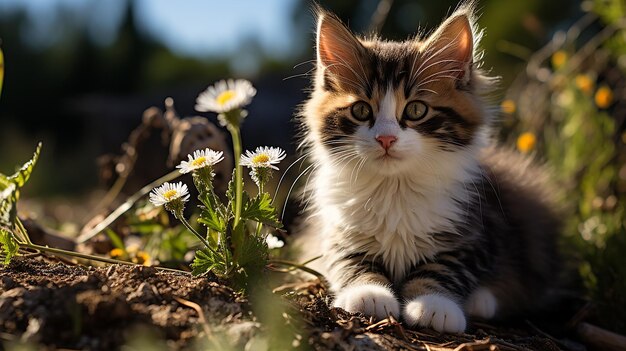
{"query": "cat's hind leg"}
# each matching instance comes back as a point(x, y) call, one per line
point(481, 303)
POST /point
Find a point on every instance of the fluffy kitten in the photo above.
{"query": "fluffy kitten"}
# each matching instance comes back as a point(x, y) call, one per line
point(415, 214)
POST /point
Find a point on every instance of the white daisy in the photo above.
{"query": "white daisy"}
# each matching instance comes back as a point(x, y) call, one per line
point(225, 95)
point(169, 192)
point(200, 159)
point(263, 157)
point(273, 242)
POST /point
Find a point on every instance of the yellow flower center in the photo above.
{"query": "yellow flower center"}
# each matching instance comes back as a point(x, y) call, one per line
point(168, 195)
point(199, 161)
point(260, 158)
point(225, 97)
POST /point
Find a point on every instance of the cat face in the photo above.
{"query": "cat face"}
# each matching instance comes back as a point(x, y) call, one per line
point(394, 105)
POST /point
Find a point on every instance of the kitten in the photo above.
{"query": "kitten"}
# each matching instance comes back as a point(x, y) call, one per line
point(417, 216)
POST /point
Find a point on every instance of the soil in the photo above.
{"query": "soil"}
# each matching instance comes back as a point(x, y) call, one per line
point(60, 306)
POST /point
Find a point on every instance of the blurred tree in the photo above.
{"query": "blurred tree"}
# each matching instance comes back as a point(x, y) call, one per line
point(65, 92)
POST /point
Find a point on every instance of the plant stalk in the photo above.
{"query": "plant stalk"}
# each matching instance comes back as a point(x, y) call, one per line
point(234, 131)
point(259, 225)
point(126, 206)
point(20, 227)
point(194, 232)
point(299, 266)
point(62, 252)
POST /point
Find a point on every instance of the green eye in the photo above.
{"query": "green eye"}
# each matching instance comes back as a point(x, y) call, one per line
point(361, 111)
point(415, 110)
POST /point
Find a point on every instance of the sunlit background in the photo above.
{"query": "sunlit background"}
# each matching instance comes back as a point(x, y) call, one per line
point(79, 73)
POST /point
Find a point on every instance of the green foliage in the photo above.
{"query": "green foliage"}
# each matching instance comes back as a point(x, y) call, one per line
point(260, 209)
point(9, 245)
point(9, 195)
point(582, 138)
point(213, 213)
point(235, 245)
point(210, 261)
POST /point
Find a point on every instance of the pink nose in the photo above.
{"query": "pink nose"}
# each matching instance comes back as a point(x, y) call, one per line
point(386, 141)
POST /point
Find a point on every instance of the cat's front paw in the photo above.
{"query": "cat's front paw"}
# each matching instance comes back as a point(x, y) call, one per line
point(370, 299)
point(437, 312)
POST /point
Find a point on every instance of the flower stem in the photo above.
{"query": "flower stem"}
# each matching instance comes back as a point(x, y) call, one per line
point(259, 225)
point(234, 131)
point(299, 266)
point(23, 231)
point(193, 231)
point(62, 252)
point(126, 206)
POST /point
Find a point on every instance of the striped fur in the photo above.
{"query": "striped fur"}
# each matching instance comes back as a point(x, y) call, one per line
point(440, 223)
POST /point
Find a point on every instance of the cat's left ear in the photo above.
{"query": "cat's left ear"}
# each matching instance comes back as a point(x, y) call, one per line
point(339, 52)
point(452, 45)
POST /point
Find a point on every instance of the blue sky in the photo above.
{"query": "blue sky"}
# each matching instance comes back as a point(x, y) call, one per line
point(189, 27)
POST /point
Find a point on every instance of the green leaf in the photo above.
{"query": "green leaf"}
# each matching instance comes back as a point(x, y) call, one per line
point(207, 261)
point(211, 219)
point(253, 253)
point(9, 194)
point(21, 176)
point(8, 210)
point(253, 257)
point(115, 239)
point(9, 245)
point(213, 215)
point(9, 190)
point(260, 209)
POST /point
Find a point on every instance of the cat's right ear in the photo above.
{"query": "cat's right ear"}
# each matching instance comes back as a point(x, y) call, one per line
point(339, 52)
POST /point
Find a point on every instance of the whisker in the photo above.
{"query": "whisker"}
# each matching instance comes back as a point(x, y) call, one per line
point(291, 189)
point(284, 174)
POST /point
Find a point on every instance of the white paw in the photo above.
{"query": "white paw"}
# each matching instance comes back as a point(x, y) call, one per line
point(369, 299)
point(481, 303)
point(436, 311)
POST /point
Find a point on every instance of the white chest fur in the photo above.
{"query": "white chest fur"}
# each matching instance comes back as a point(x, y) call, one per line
point(394, 218)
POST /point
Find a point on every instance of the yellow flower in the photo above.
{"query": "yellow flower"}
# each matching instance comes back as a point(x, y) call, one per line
point(143, 258)
point(604, 97)
point(116, 253)
point(584, 83)
point(508, 106)
point(526, 142)
point(558, 59)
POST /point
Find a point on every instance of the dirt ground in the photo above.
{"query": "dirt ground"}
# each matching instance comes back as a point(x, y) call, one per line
point(60, 306)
